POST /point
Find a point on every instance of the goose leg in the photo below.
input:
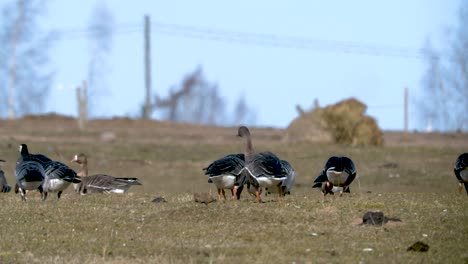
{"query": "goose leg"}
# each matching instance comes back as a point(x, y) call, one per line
point(257, 195)
point(219, 195)
point(22, 193)
point(224, 193)
point(280, 193)
point(59, 194)
point(234, 192)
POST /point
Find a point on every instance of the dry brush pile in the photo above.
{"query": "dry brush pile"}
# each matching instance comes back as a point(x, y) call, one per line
point(344, 122)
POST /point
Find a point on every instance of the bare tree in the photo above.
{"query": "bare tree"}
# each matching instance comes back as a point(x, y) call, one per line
point(25, 53)
point(100, 26)
point(196, 101)
point(243, 114)
point(445, 102)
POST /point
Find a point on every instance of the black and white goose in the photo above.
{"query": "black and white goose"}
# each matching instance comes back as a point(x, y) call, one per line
point(338, 172)
point(263, 169)
point(29, 173)
point(225, 173)
point(288, 183)
point(100, 183)
point(58, 176)
point(4, 187)
point(461, 171)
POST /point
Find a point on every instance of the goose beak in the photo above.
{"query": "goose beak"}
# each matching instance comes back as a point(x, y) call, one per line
point(75, 158)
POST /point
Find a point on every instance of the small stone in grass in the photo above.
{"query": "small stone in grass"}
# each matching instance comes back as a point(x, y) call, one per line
point(205, 198)
point(159, 200)
point(419, 247)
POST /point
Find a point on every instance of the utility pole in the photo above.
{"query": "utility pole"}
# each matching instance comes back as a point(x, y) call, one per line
point(147, 105)
point(406, 110)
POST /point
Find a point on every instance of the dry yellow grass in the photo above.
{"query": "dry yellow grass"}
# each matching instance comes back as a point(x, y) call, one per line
point(413, 182)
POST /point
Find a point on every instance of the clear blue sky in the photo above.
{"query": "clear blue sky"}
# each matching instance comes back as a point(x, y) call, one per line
point(273, 79)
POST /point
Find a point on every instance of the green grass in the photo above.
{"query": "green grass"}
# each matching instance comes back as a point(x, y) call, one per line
point(305, 228)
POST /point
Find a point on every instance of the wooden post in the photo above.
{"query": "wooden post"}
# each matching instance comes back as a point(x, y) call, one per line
point(147, 105)
point(82, 98)
point(406, 110)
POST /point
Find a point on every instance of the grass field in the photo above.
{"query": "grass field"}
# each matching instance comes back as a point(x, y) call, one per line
point(411, 178)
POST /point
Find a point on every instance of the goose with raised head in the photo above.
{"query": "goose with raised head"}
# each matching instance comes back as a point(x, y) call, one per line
point(263, 169)
point(99, 183)
point(338, 173)
point(4, 187)
point(225, 174)
point(461, 171)
point(29, 173)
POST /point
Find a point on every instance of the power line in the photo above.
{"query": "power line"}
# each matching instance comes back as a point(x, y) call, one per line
point(253, 39)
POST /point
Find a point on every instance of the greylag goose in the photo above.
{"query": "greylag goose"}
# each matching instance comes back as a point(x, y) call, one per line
point(29, 173)
point(4, 187)
point(263, 169)
point(99, 183)
point(461, 171)
point(338, 172)
point(225, 173)
point(58, 176)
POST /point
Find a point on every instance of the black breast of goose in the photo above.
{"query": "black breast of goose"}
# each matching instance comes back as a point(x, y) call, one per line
point(263, 169)
point(461, 171)
point(100, 183)
point(29, 173)
point(4, 187)
point(225, 174)
point(338, 172)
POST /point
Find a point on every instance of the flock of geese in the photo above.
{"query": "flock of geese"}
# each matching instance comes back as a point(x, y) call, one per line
point(258, 171)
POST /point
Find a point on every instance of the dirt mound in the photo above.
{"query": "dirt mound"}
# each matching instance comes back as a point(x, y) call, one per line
point(344, 122)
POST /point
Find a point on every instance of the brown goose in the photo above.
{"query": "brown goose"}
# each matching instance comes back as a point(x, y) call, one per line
point(263, 169)
point(100, 183)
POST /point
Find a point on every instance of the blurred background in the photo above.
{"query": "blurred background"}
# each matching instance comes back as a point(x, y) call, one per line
point(260, 63)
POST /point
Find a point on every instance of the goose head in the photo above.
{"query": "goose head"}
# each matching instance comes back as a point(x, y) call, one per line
point(83, 172)
point(23, 149)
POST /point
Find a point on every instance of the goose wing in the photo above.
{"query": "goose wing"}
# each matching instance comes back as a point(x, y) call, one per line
point(29, 171)
point(320, 179)
point(4, 187)
point(460, 164)
point(290, 178)
point(58, 170)
point(266, 164)
point(230, 164)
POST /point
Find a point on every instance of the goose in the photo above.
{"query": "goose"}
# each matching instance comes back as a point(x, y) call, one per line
point(29, 173)
point(338, 172)
point(99, 183)
point(461, 171)
point(263, 169)
point(225, 173)
point(4, 187)
point(58, 176)
point(287, 184)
